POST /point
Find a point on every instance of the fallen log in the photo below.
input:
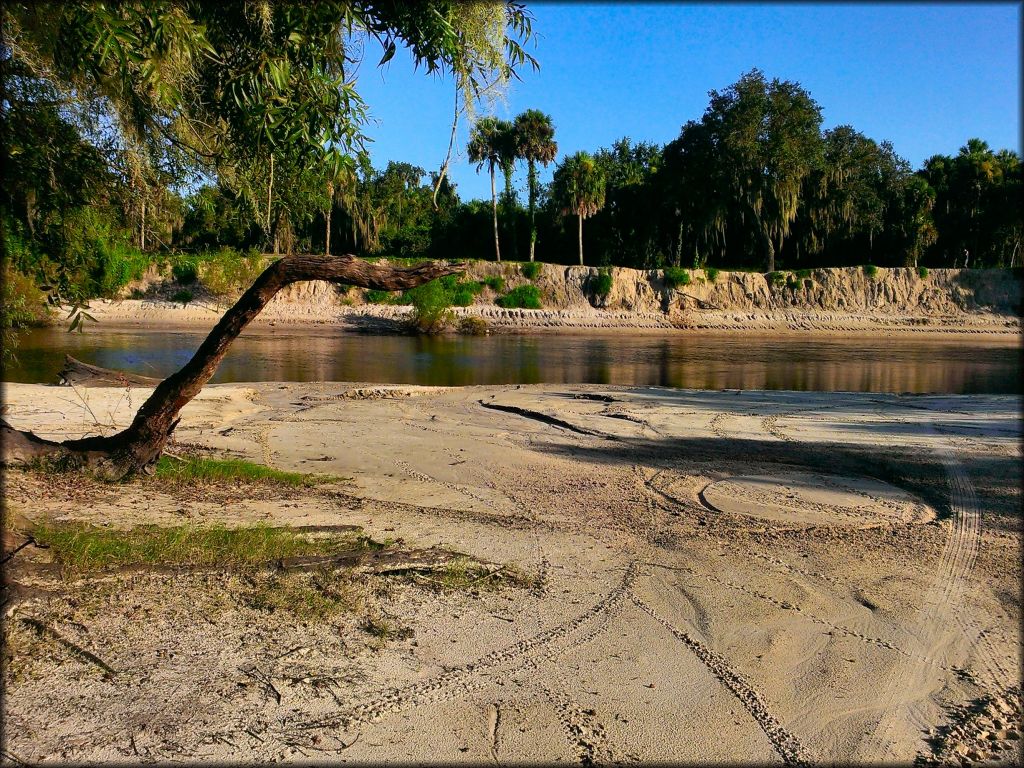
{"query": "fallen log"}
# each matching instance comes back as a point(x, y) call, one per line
point(77, 373)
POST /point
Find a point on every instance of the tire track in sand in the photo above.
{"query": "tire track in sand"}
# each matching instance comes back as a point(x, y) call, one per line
point(933, 626)
point(465, 677)
point(785, 744)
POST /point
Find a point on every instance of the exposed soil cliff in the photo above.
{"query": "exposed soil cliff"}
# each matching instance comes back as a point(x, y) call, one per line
point(846, 299)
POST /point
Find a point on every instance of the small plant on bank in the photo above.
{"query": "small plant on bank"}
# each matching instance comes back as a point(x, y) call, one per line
point(775, 279)
point(712, 274)
point(922, 272)
point(871, 271)
point(185, 270)
point(530, 269)
point(471, 325)
point(676, 277)
point(523, 297)
point(495, 282)
point(374, 296)
point(431, 304)
point(603, 283)
point(183, 296)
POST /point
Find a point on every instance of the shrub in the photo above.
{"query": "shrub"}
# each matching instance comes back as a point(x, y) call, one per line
point(676, 277)
point(472, 325)
point(711, 273)
point(775, 278)
point(871, 271)
point(185, 270)
point(603, 283)
point(530, 270)
point(496, 283)
point(184, 296)
point(803, 274)
point(226, 272)
point(119, 264)
point(462, 297)
point(431, 307)
point(922, 272)
point(374, 296)
point(523, 297)
point(21, 304)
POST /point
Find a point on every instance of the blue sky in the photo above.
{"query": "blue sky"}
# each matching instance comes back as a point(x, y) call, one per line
point(924, 76)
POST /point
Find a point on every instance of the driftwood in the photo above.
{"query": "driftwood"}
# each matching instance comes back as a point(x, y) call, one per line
point(77, 373)
point(137, 448)
point(699, 302)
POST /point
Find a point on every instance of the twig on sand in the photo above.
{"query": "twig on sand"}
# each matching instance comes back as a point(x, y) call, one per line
point(258, 675)
point(47, 631)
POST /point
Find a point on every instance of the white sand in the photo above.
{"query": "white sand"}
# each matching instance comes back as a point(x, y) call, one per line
point(850, 577)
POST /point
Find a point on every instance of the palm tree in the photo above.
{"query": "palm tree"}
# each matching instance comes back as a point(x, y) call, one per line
point(485, 147)
point(578, 188)
point(535, 140)
point(508, 152)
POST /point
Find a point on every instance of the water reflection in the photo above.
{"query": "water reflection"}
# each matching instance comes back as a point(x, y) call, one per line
point(681, 360)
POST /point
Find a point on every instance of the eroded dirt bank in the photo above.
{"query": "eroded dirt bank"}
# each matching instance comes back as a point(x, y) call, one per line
point(720, 576)
point(827, 300)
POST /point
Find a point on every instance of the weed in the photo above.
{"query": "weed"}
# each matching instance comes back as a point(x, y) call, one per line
point(182, 296)
point(871, 271)
point(472, 325)
point(603, 283)
point(374, 296)
point(185, 270)
point(922, 272)
point(318, 595)
point(675, 277)
point(530, 270)
point(712, 274)
point(775, 278)
point(524, 297)
point(803, 274)
point(495, 282)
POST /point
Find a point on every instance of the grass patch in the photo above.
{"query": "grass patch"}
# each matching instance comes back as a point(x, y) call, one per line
point(523, 297)
point(318, 595)
point(712, 274)
point(530, 269)
point(775, 278)
point(183, 296)
point(675, 277)
point(80, 547)
point(374, 296)
point(922, 272)
point(190, 470)
point(871, 271)
point(495, 282)
point(603, 283)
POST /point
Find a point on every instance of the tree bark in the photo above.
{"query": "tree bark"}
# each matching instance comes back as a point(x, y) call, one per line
point(580, 217)
point(532, 181)
point(137, 448)
point(494, 206)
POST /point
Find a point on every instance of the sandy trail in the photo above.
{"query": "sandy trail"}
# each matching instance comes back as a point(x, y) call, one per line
point(666, 629)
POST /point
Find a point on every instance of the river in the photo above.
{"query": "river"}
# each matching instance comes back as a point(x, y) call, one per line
point(961, 365)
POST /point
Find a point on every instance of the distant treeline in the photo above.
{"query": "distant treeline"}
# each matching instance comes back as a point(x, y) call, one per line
point(753, 184)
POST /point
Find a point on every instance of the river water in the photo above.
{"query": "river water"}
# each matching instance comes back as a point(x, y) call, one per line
point(687, 360)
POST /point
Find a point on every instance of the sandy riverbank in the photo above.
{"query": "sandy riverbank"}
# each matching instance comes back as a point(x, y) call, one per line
point(830, 301)
point(723, 576)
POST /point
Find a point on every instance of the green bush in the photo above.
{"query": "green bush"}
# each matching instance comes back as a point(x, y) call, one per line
point(226, 272)
point(119, 264)
point(676, 277)
point(185, 270)
point(803, 274)
point(523, 297)
point(496, 283)
point(22, 304)
point(374, 296)
point(791, 282)
point(711, 273)
point(471, 325)
point(462, 297)
point(603, 283)
point(530, 270)
point(775, 278)
point(431, 304)
point(922, 272)
point(871, 271)
point(184, 296)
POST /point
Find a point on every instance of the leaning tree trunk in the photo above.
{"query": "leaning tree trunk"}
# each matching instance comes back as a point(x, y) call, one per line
point(138, 447)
